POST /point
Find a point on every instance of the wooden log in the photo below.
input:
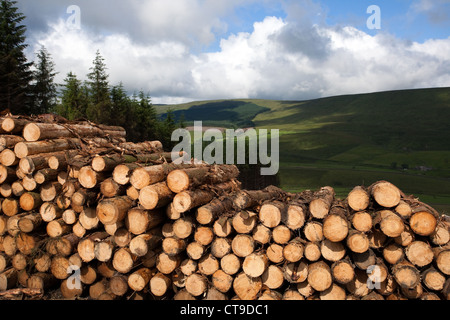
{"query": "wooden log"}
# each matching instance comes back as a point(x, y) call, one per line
point(204, 235)
point(220, 247)
point(173, 246)
point(255, 264)
point(50, 211)
point(109, 188)
point(183, 227)
point(406, 275)
point(41, 281)
point(43, 131)
point(181, 180)
point(103, 249)
point(273, 277)
point(89, 178)
point(139, 279)
point(25, 149)
point(8, 158)
point(261, 234)
point(393, 253)
point(321, 204)
point(334, 292)
point(294, 216)
point(10, 207)
point(342, 271)
point(442, 259)
point(5, 190)
point(8, 279)
point(17, 188)
point(336, 224)
point(245, 287)
point(118, 285)
point(155, 196)
point(19, 261)
point(358, 199)
point(190, 199)
point(45, 175)
point(242, 245)
point(313, 231)
point(222, 281)
point(244, 221)
point(42, 262)
point(143, 243)
point(112, 210)
point(9, 141)
point(423, 223)
point(208, 264)
point(358, 286)
point(121, 173)
point(28, 183)
point(195, 250)
point(139, 220)
point(406, 237)
point(222, 227)
point(361, 221)
point(13, 124)
point(312, 251)
point(281, 234)
point(295, 272)
point(123, 260)
point(122, 237)
point(419, 253)
point(109, 162)
point(364, 260)
point(404, 209)
point(27, 243)
point(275, 253)
point(211, 211)
point(357, 241)
point(58, 228)
point(50, 190)
point(167, 264)
point(433, 279)
point(270, 213)
point(441, 235)
point(7, 174)
point(319, 276)
point(160, 284)
point(230, 263)
point(294, 250)
point(196, 284)
point(385, 194)
point(332, 251)
point(86, 246)
point(244, 199)
point(390, 224)
point(32, 163)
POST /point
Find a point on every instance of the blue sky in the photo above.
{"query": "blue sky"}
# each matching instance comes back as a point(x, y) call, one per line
point(184, 50)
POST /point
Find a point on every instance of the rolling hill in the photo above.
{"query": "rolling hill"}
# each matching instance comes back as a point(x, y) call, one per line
point(402, 136)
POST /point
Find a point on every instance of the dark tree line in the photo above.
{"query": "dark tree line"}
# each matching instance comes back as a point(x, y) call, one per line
point(28, 88)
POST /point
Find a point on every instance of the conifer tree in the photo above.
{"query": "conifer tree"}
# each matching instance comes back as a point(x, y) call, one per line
point(15, 73)
point(43, 88)
point(99, 109)
point(74, 98)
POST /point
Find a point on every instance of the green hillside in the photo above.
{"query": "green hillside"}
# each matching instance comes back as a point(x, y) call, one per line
point(402, 136)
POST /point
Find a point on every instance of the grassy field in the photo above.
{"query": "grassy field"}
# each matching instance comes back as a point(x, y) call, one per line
point(399, 136)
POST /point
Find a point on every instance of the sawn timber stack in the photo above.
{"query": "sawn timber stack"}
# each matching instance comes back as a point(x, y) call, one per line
point(92, 216)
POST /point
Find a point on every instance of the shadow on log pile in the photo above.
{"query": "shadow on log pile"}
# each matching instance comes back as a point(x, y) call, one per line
point(88, 215)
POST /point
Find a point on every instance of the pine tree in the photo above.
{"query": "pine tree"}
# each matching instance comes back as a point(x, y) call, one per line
point(74, 98)
point(15, 73)
point(44, 89)
point(99, 109)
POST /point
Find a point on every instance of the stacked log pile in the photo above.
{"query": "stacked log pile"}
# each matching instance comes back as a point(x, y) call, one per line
point(97, 217)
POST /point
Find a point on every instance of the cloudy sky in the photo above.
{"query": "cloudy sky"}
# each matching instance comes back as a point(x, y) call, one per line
point(185, 50)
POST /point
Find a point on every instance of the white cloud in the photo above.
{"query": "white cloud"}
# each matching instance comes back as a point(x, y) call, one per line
point(279, 59)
